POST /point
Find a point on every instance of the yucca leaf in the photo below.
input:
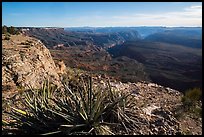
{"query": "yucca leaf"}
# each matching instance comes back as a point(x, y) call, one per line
point(107, 123)
point(51, 133)
point(96, 109)
point(76, 125)
point(85, 106)
point(125, 127)
point(15, 116)
point(69, 115)
point(27, 96)
point(99, 113)
point(44, 88)
point(48, 89)
point(84, 118)
point(90, 95)
point(61, 105)
point(110, 91)
point(111, 133)
point(19, 119)
point(4, 122)
point(84, 113)
point(85, 92)
point(19, 111)
point(29, 104)
point(66, 117)
point(91, 130)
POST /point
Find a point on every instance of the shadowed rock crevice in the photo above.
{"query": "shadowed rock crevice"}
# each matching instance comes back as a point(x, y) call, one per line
point(15, 79)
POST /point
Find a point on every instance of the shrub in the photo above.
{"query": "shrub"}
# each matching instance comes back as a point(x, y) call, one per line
point(4, 29)
point(191, 97)
point(78, 109)
point(11, 30)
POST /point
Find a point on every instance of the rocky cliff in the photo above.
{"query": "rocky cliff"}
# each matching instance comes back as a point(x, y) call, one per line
point(26, 62)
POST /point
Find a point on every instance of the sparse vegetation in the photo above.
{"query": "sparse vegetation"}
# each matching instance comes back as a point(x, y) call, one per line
point(191, 101)
point(11, 30)
point(77, 109)
point(4, 29)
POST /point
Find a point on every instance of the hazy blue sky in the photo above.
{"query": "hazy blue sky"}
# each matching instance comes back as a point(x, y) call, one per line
point(74, 14)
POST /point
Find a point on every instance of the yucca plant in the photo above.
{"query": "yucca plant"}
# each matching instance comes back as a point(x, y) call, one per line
point(124, 113)
point(78, 109)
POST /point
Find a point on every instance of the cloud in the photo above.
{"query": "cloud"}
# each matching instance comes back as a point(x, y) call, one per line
point(196, 7)
point(194, 10)
point(189, 16)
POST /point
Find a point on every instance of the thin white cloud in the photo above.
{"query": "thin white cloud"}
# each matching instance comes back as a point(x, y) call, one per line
point(190, 16)
point(196, 7)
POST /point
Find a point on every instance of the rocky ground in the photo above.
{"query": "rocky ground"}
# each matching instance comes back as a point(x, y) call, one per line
point(157, 107)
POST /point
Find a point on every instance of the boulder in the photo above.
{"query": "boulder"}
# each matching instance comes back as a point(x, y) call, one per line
point(27, 63)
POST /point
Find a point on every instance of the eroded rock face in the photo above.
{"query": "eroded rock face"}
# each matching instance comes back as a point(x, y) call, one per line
point(26, 62)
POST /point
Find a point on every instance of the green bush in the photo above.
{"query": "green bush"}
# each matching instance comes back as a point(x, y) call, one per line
point(191, 97)
point(4, 29)
point(11, 30)
point(76, 109)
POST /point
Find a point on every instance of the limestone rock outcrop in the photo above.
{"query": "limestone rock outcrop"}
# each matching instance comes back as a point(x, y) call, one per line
point(26, 62)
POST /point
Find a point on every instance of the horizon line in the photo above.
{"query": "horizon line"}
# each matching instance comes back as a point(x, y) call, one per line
point(100, 26)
